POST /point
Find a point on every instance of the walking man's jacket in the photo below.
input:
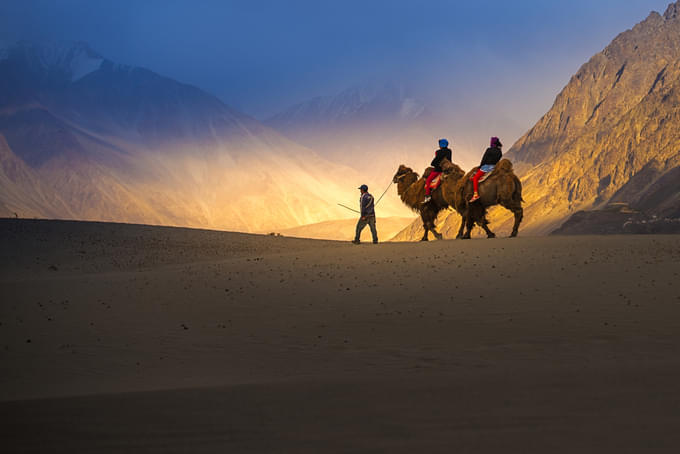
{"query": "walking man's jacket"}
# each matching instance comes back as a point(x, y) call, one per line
point(366, 202)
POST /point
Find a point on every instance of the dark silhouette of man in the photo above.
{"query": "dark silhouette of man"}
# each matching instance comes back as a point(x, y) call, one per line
point(367, 215)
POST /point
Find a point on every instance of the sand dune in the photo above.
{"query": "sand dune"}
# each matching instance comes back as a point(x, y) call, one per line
point(343, 229)
point(127, 338)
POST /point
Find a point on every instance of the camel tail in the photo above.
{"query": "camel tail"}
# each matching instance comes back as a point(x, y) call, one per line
point(518, 185)
point(518, 190)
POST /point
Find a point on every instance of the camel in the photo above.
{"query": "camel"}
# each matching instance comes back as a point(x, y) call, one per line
point(411, 190)
point(502, 188)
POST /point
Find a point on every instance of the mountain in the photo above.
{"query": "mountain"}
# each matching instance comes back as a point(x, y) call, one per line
point(376, 103)
point(375, 126)
point(612, 135)
point(83, 137)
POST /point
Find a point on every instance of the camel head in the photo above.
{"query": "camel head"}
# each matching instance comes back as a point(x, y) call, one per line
point(402, 171)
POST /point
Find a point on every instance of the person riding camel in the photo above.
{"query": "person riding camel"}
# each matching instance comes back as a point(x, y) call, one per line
point(443, 152)
point(492, 155)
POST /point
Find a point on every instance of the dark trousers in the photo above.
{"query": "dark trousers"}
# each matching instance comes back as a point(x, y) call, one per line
point(370, 220)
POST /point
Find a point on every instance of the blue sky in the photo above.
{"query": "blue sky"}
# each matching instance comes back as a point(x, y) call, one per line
point(261, 56)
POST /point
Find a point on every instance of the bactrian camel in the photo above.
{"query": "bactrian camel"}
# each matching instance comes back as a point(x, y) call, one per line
point(501, 187)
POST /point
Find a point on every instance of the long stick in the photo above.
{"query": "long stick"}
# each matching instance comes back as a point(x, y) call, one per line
point(376, 203)
point(383, 194)
point(351, 209)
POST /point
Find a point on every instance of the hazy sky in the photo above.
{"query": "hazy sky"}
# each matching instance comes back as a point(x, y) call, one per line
point(261, 56)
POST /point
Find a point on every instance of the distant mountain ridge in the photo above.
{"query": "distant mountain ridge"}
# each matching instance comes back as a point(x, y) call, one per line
point(371, 128)
point(612, 135)
point(352, 107)
point(79, 85)
point(71, 61)
point(82, 137)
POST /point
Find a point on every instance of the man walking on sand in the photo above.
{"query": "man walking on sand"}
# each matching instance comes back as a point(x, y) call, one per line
point(367, 215)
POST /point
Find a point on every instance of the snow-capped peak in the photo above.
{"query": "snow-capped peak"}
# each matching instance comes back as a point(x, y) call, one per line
point(76, 59)
point(372, 101)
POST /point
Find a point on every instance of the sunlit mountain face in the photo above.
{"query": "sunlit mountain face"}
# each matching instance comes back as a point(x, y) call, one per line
point(612, 136)
point(610, 142)
point(83, 137)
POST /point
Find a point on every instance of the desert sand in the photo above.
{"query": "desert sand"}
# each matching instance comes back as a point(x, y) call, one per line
point(127, 338)
point(344, 229)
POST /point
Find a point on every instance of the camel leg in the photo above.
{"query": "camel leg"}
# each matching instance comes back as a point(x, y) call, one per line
point(485, 225)
point(427, 225)
point(432, 228)
point(462, 226)
point(437, 234)
point(519, 214)
point(469, 223)
point(426, 222)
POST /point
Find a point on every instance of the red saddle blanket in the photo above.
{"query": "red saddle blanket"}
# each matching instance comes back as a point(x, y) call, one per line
point(435, 182)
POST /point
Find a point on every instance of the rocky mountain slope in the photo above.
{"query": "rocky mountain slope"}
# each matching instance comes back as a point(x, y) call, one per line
point(612, 135)
point(82, 137)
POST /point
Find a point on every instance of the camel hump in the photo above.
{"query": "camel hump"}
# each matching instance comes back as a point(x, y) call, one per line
point(449, 167)
point(504, 165)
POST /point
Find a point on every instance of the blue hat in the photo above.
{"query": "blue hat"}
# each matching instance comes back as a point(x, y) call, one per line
point(443, 143)
point(363, 187)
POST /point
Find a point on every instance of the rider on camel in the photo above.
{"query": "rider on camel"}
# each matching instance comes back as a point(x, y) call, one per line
point(491, 157)
point(443, 152)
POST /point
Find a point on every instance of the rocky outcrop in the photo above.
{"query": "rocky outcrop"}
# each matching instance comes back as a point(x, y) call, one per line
point(617, 219)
